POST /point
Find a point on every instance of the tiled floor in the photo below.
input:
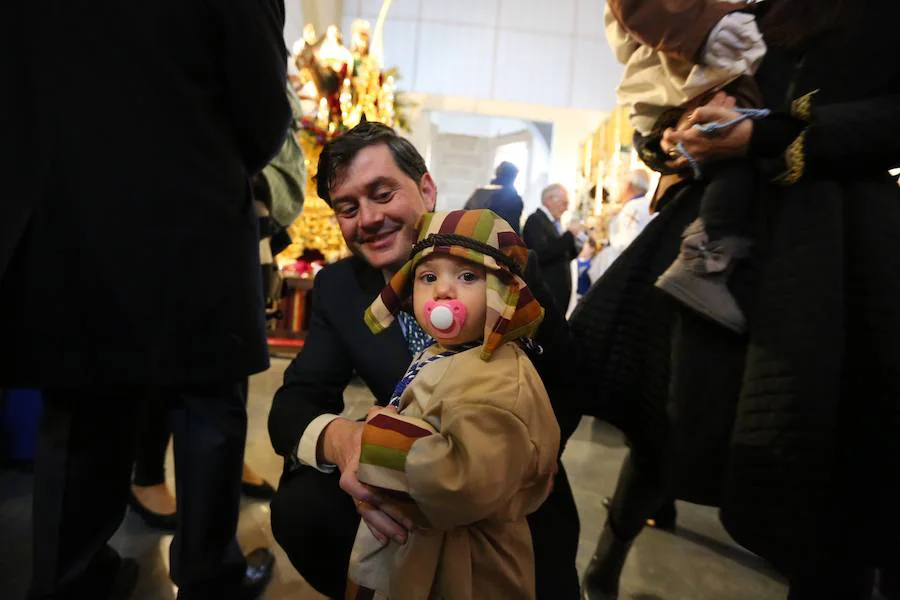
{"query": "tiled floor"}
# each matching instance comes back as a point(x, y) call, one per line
point(699, 562)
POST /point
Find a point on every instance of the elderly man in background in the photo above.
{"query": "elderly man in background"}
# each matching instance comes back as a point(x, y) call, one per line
point(555, 246)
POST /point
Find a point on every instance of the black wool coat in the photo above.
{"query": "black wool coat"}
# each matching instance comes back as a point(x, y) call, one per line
point(794, 430)
point(133, 257)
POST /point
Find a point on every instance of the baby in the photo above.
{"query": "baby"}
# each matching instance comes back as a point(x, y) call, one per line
point(684, 56)
point(468, 446)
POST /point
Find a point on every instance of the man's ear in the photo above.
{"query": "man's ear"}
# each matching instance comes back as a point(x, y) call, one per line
point(428, 189)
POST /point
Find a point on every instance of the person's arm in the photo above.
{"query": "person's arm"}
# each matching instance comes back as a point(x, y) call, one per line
point(482, 455)
point(312, 394)
point(843, 138)
point(549, 249)
point(472, 468)
point(676, 27)
point(847, 137)
point(498, 440)
point(254, 65)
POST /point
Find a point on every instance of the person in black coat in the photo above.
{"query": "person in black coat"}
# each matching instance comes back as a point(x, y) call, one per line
point(500, 196)
point(379, 187)
point(794, 429)
point(555, 248)
point(132, 267)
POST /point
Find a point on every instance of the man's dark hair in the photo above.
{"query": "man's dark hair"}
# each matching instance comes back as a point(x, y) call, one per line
point(340, 152)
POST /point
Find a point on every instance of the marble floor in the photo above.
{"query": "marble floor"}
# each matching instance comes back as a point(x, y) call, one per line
point(698, 562)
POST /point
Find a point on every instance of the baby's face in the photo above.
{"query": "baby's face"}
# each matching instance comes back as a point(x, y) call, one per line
point(442, 284)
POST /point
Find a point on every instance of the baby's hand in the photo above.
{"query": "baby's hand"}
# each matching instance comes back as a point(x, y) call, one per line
point(731, 39)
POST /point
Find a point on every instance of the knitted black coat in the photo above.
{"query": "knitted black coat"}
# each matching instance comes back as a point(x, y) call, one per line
point(794, 430)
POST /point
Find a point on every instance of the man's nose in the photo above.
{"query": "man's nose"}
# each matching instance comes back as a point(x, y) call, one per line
point(370, 215)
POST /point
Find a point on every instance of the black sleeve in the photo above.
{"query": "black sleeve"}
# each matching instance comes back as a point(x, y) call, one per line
point(849, 136)
point(557, 352)
point(254, 62)
point(315, 380)
point(845, 138)
point(549, 249)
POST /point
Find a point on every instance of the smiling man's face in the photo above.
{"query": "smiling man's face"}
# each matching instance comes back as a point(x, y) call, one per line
point(378, 207)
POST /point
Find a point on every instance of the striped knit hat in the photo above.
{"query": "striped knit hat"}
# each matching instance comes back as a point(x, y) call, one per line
point(483, 238)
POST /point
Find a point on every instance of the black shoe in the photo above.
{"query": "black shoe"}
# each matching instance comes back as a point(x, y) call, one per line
point(152, 519)
point(263, 491)
point(260, 564)
point(601, 579)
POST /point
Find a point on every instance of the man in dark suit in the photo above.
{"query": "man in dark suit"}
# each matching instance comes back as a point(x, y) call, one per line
point(500, 196)
point(131, 268)
point(379, 187)
point(555, 248)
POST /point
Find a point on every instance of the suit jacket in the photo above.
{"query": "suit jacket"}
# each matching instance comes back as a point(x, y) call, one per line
point(340, 344)
point(555, 252)
point(135, 259)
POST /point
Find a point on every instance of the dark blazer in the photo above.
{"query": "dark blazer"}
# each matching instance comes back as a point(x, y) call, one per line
point(135, 258)
point(555, 252)
point(340, 344)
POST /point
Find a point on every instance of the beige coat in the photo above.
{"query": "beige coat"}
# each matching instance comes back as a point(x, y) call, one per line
point(659, 53)
point(490, 464)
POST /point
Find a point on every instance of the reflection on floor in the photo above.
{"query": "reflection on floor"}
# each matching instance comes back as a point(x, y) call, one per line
point(699, 562)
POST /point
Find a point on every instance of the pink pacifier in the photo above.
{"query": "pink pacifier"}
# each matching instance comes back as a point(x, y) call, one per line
point(446, 316)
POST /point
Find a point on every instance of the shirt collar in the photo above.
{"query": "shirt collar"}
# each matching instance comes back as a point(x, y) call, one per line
point(547, 212)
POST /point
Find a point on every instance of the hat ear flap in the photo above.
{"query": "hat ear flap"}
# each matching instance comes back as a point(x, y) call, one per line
point(500, 305)
point(390, 301)
point(512, 311)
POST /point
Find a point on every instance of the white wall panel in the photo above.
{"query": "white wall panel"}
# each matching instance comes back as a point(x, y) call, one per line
point(471, 12)
point(590, 18)
point(557, 16)
point(453, 60)
point(534, 68)
point(595, 76)
point(400, 9)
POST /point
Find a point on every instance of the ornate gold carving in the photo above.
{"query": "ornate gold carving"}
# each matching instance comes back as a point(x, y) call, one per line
point(337, 86)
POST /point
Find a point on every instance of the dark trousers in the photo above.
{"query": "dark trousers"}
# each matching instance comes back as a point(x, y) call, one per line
point(316, 522)
point(154, 431)
point(82, 473)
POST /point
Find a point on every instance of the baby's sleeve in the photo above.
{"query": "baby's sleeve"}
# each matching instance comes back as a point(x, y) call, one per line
point(473, 467)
